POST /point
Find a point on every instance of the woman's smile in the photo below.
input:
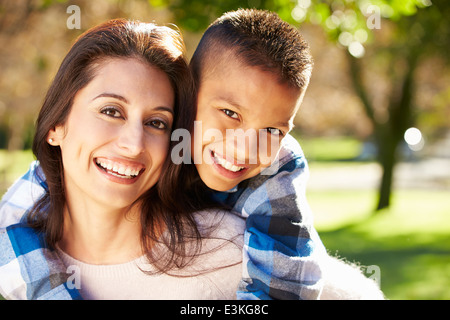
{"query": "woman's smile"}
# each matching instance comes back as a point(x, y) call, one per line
point(120, 171)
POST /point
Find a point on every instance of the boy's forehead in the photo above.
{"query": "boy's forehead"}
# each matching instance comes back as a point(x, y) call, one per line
point(227, 67)
point(220, 62)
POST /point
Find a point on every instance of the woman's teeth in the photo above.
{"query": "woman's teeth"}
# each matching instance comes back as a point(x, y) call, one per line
point(118, 170)
point(227, 165)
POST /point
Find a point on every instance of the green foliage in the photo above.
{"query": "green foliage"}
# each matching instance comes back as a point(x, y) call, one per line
point(44, 4)
point(196, 15)
point(349, 23)
point(352, 24)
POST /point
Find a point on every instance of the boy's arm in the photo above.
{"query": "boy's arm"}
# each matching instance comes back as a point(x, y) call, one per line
point(343, 281)
point(22, 195)
point(282, 250)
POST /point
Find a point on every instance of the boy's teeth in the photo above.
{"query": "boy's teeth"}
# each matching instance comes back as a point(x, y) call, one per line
point(227, 165)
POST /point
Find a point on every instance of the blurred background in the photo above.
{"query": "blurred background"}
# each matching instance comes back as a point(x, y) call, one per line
point(375, 122)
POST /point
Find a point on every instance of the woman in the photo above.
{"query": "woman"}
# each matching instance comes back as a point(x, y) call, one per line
point(114, 209)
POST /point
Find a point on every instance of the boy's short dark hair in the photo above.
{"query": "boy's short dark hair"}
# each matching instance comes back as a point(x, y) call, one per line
point(258, 38)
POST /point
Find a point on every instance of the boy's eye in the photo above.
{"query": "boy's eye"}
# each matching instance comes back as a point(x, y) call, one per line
point(275, 131)
point(111, 112)
point(230, 113)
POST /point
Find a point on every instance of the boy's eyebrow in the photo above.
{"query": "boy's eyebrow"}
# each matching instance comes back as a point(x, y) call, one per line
point(231, 102)
point(284, 124)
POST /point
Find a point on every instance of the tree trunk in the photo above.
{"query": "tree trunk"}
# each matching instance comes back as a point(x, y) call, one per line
point(388, 135)
point(400, 118)
point(387, 158)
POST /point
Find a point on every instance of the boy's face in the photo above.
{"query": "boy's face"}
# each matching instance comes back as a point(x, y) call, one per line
point(242, 115)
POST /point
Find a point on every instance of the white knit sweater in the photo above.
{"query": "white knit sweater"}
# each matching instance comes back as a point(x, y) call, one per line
point(127, 281)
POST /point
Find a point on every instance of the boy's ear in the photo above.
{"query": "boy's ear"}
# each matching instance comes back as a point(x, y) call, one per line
point(55, 135)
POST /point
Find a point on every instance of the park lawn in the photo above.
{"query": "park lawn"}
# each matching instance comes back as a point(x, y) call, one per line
point(329, 148)
point(409, 242)
point(13, 164)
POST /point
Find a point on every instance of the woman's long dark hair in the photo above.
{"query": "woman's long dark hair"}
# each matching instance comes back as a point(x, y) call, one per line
point(167, 203)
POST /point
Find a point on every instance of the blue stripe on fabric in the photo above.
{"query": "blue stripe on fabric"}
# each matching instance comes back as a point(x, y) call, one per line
point(74, 293)
point(293, 165)
point(259, 289)
point(24, 239)
point(260, 239)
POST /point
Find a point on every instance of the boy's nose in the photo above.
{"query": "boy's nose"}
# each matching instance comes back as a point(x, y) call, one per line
point(244, 147)
point(253, 147)
point(131, 140)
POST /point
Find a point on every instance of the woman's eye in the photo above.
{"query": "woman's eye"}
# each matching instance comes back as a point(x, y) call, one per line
point(230, 113)
point(158, 124)
point(111, 112)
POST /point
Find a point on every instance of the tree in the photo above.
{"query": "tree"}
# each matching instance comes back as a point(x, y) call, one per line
point(391, 37)
point(415, 29)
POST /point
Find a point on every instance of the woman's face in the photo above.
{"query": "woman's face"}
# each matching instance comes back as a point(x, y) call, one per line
point(117, 134)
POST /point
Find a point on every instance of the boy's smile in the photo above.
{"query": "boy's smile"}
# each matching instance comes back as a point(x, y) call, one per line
point(241, 112)
point(228, 167)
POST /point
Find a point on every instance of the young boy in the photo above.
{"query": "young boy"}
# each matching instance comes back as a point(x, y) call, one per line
point(251, 70)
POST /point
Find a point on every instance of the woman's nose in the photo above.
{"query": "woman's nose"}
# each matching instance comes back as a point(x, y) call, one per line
point(131, 139)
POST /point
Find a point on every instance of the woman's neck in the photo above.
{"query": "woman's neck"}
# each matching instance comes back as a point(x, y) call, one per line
point(100, 236)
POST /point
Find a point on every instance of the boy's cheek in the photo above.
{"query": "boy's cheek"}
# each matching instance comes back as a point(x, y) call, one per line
point(268, 150)
point(266, 162)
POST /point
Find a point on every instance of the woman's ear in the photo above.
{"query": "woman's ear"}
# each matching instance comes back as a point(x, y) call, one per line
point(55, 136)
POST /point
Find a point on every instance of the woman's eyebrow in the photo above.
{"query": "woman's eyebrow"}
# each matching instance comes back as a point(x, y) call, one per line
point(121, 98)
point(164, 108)
point(111, 95)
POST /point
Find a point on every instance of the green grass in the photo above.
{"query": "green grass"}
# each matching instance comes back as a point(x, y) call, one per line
point(12, 166)
point(410, 242)
point(330, 148)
